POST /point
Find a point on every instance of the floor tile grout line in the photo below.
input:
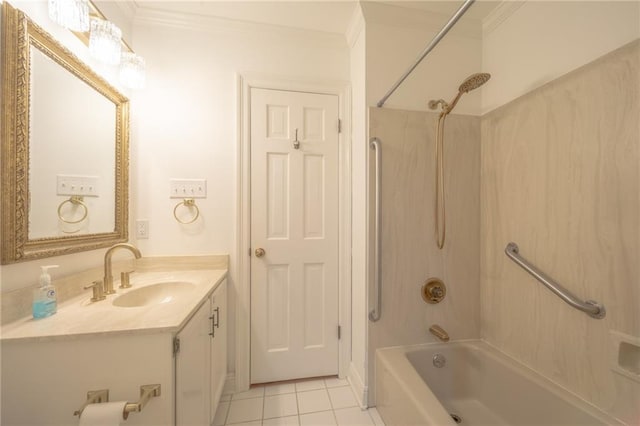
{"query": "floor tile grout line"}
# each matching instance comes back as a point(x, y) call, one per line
point(335, 417)
point(299, 414)
point(226, 416)
point(297, 404)
point(330, 401)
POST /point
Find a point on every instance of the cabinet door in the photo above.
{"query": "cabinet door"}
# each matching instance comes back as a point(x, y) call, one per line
point(193, 370)
point(218, 346)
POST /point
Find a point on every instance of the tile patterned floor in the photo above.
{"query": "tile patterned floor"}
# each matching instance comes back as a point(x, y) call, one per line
point(320, 402)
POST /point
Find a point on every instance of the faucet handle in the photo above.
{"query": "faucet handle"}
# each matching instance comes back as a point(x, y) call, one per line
point(124, 279)
point(98, 293)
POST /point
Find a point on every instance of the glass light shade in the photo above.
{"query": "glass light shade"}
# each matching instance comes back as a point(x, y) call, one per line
point(132, 71)
point(71, 14)
point(105, 41)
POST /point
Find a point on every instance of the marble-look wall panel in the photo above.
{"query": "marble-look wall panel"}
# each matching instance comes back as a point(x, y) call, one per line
point(409, 252)
point(560, 177)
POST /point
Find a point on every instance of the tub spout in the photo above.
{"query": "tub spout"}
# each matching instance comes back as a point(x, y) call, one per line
point(439, 332)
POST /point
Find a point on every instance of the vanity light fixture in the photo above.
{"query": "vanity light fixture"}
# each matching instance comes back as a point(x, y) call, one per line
point(105, 41)
point(70, 14)
point(132, 71)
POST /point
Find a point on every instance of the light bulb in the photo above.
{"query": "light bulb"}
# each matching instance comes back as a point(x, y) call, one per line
point(71, 14)
point(105, 41)
point(132, 71)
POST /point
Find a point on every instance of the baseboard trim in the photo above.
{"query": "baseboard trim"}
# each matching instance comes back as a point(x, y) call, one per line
point(357, 385)
point(229, 384)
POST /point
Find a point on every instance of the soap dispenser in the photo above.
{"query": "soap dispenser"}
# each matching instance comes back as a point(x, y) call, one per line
point(45, 302)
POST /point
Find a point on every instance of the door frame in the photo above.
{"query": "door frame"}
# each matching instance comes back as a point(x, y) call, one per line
point(245, 82)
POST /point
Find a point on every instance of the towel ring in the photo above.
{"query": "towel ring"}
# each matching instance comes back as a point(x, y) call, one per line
point(76, 201)
point(187, 202)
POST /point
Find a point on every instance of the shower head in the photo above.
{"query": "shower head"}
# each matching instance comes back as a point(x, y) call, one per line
point(474, 81)
point(470, 83)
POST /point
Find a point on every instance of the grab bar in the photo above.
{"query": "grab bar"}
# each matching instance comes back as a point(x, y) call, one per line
point(590, 307)
point(375, 314)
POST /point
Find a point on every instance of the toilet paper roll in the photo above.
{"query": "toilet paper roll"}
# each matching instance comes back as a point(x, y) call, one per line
point(104, 414)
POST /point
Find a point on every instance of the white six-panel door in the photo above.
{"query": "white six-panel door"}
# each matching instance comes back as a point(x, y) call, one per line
point(294, 219)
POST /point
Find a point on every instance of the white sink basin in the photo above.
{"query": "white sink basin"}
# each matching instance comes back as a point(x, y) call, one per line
point(154, 294)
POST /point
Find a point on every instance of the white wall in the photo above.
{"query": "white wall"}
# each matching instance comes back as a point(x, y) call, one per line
point(523, 44)
point(395, 38)
point(185, 121)
point(360, 149)
point(527, 44)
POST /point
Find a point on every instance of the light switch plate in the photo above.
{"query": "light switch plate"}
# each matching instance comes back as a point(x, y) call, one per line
point(86, 186)
point(187, 188)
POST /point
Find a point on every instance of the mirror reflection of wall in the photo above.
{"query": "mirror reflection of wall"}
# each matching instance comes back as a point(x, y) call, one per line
point(65, 135)
point(72, 134)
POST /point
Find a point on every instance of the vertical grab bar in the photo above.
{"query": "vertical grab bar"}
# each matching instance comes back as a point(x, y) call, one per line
point(374, 315)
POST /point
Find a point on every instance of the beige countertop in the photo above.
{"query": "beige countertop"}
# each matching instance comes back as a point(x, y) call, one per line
point(80, 317)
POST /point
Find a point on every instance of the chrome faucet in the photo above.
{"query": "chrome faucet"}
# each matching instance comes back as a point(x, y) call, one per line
point(108, 277)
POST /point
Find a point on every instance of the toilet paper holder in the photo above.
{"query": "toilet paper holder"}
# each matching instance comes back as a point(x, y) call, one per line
point(99, 396)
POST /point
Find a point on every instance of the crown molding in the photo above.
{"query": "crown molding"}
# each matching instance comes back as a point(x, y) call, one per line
point(128, 9)
point(216, 25)
point(500, 14)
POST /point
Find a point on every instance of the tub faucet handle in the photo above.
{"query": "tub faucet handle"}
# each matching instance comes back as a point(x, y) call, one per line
point(437, 292)
point(433, 291)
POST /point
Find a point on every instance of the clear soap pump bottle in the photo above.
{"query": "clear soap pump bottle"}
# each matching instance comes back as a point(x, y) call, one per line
point(45, 302)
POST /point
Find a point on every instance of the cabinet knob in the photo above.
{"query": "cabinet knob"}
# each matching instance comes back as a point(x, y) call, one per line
point(260, 252)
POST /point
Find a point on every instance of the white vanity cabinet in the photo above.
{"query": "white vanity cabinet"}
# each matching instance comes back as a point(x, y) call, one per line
point(218, 346)
point(201, 361)
point(49, 365)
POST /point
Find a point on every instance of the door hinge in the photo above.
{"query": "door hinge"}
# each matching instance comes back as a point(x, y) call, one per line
point(249, 251)
point(339, 332)
point(176, 345)
point(339, 126)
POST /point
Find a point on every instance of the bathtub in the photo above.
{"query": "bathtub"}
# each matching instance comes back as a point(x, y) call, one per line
point(477, 385)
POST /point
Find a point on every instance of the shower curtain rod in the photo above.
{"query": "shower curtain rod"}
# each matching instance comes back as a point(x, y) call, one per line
point(467, 4)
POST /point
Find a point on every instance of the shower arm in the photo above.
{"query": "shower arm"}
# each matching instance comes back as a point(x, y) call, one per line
point(452, 21)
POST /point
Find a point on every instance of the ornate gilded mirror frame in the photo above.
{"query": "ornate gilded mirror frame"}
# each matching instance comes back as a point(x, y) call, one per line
point(19, 34)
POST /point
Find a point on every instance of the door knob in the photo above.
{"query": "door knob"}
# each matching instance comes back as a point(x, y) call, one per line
point(260, 252)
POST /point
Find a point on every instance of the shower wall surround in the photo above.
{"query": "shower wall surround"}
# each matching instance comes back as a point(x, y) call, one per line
point(560, 177)
point(409, 252)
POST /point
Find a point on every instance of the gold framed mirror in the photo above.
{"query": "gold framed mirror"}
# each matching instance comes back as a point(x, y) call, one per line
point(65, 144)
